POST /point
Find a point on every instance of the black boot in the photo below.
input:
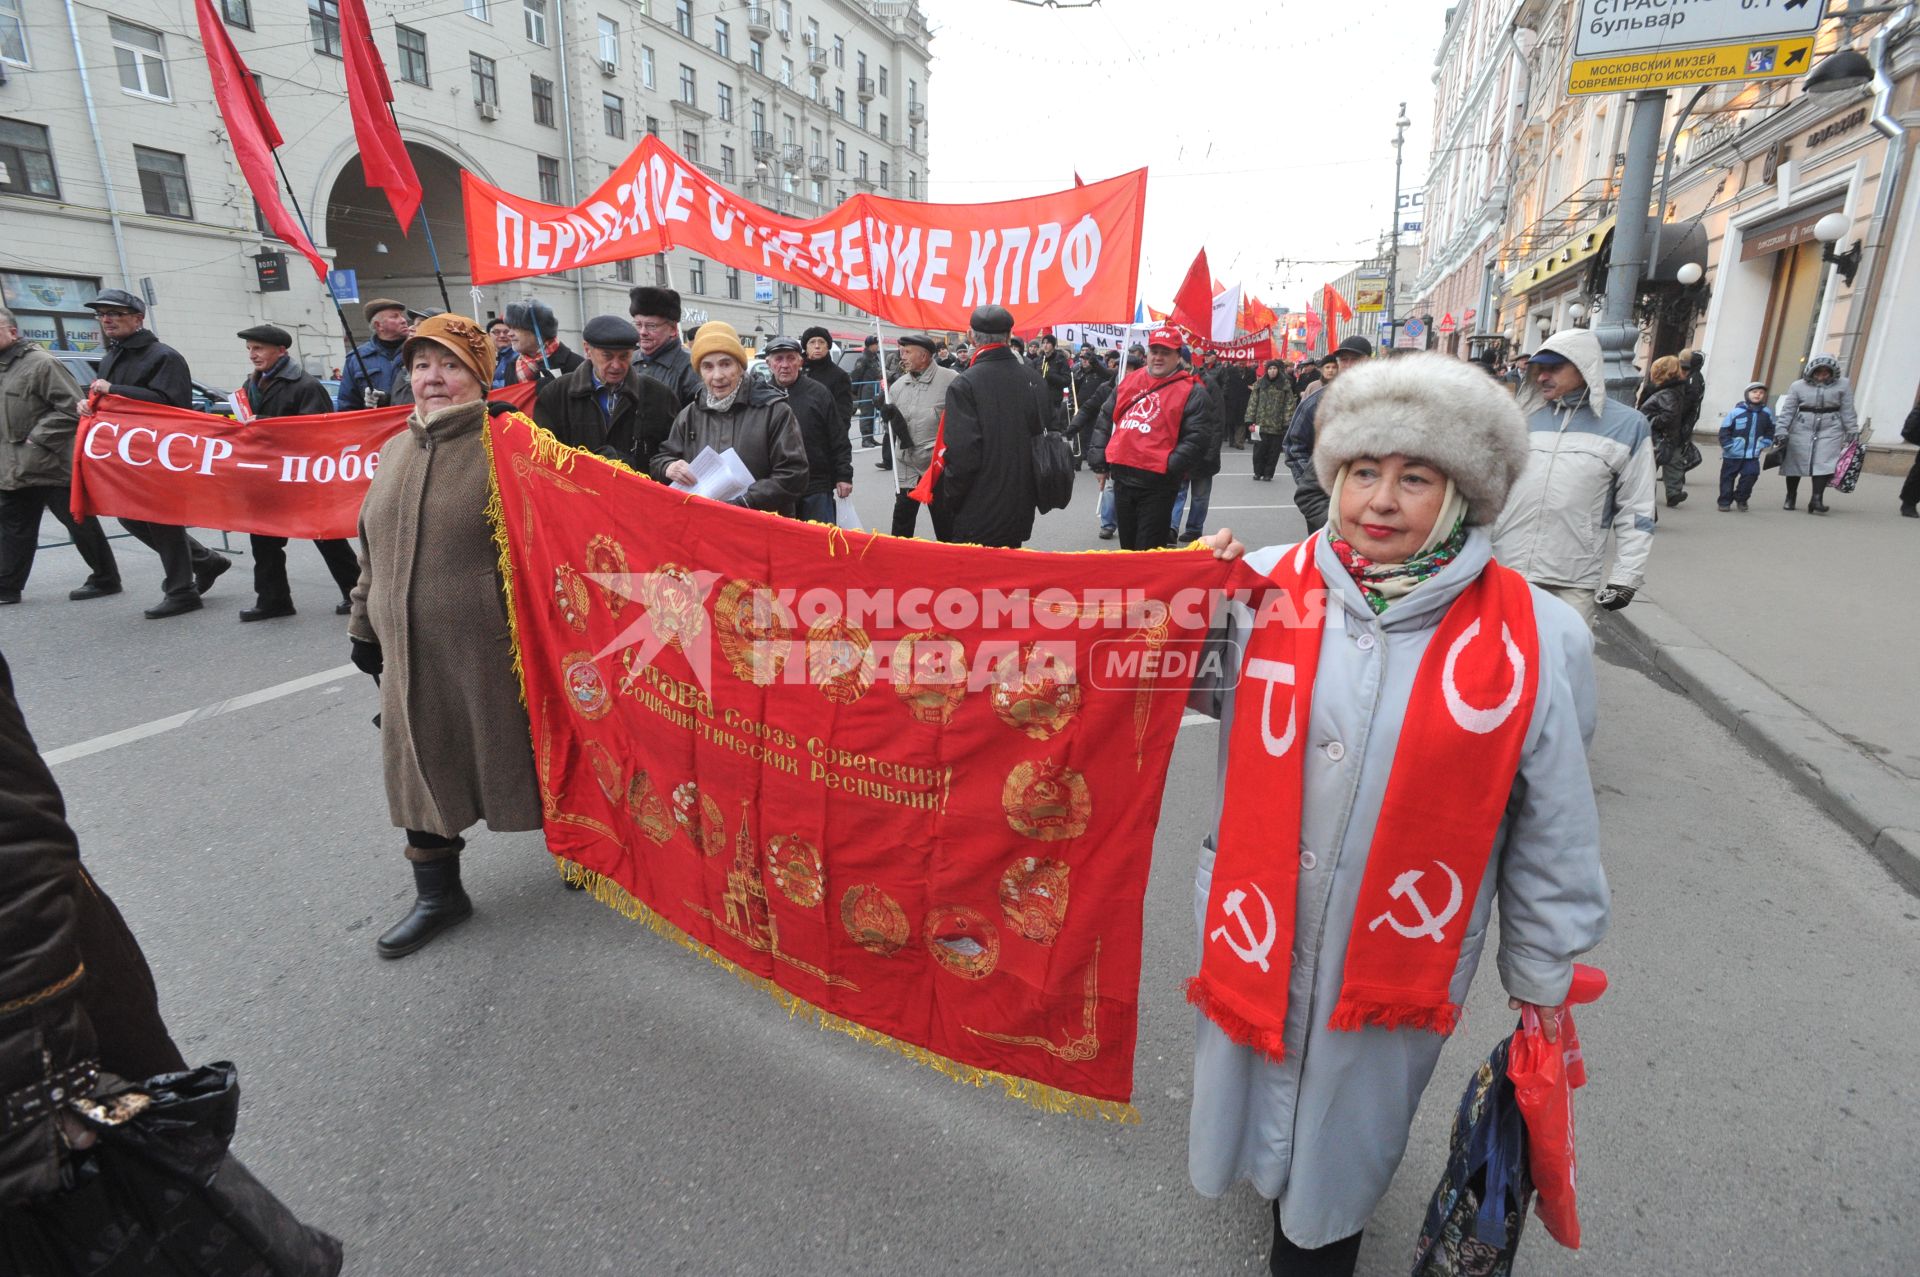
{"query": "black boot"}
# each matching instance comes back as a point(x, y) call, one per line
point(442, 903)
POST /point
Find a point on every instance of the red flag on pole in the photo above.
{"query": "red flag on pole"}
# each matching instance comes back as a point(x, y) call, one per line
point(1335, 309)
point(1076, 178)
point(251, 131)
point(383, 156)
point(1193, 304)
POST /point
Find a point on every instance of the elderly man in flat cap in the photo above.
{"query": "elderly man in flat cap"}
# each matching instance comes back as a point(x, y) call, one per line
point(995, 409)
point(279, 387)
point(374, 375)
point(912, 422)
point(605, 405)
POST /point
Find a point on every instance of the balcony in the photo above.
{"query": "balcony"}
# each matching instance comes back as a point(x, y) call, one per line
point(816, 166)
point(865, 88)
point(759, 21)
point(763, 145)
point(863, 182)
point(792, 156)
point(916, 112)
point(816, 61)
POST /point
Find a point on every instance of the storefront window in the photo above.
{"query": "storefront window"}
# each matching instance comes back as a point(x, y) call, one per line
point(51, 309)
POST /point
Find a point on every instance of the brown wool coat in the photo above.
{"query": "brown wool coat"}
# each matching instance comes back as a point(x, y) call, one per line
point(453, 733)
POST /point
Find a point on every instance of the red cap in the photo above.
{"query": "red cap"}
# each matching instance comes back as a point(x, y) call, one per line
point(1167, 336)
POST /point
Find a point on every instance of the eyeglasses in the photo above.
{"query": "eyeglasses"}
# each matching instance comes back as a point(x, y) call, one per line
point(654, 325)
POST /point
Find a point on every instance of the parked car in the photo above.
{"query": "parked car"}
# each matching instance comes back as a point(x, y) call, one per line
point(85, 366)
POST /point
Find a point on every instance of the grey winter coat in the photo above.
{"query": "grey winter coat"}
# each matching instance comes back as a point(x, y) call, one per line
point(920, 399)
point(1816, 421)
point(39, 411)
point(1323, 1131)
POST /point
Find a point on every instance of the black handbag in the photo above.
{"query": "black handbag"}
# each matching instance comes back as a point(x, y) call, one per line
point(1052, 471)
point(160, 1195)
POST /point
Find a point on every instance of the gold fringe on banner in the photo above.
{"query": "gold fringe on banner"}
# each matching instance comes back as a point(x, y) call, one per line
point(1049, 1099)
point(496, 515)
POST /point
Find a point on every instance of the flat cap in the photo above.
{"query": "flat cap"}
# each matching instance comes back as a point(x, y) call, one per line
point(991, 319)
point(921, 340)
point(118, 299)
point(379, 304)
point(781, 343)
point(610, 332)
point(266, 335)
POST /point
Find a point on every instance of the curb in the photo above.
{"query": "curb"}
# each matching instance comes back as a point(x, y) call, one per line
point(1877, 805)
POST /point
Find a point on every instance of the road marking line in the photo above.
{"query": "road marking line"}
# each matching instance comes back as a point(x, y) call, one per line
point(126, 736)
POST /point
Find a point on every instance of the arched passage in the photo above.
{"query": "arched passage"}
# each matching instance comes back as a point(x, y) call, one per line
point(361, 229)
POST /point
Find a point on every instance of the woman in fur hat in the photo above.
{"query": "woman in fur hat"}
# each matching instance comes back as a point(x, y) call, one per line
point(1405, 741)
point(1817, 421)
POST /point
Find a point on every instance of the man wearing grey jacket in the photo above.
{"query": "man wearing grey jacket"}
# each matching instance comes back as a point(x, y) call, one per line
point(39, 411)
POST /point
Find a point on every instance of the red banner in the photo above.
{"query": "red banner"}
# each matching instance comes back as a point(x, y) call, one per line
point(1072, 256)
point(920, 815)
point(298, 477)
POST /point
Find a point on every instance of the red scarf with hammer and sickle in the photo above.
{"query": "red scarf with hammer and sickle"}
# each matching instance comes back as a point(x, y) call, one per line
point(1460, 742)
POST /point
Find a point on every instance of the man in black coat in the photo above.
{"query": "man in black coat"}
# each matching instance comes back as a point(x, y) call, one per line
point(278, 387)
point(605, 405)
point(540, 354)
point(866, 389)
point(995, 409)
point(829, 450)
point(139, 366)
point(1057, 371)
point(817, 343)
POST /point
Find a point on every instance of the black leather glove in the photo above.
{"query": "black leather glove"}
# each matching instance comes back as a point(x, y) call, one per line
point(1614, 597)
point(367, 658)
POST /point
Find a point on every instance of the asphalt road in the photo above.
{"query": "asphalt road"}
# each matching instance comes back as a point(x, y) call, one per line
point(552, 1089)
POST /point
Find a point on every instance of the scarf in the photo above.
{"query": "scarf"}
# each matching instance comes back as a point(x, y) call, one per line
point(527, 367)
point(1381, 583)
point(721, 405)
point(1459, 749)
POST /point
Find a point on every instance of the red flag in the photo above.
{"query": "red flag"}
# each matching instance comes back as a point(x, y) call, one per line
point(1334, 307)
point(1076, 178)
point(251, 131)
point(1193, 304)
point(383, 156)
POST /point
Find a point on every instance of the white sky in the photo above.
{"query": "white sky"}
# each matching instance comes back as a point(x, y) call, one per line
point(1266, 128)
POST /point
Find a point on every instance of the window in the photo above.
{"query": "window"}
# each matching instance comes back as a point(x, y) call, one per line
point(883, 126)
point(813, 33)
point(238, 13)
point(722, 38)
point(913, 185)
point(646, 67)
point(816, 144)
point(485, 87)
point(549, 170)
point(913, 137)
point(660, 270)
point(697, 276)
point(613, 112)
point(786, 72)
point(26, 160)
point(683, 17)
point(323, 23)
point(860, 64)
point(789, 130)
point(840, 52)
point(840, 103)
point(609, 41)
point(819, 191)
point(840, 156)
point(477, 10)
point(819, 301)
point(163, 182)
point(792, 294)
point(883, 82)
point(142, 55)
point(757, 56)
point(883, 175)
point(653, 126)
point(728, 164)
point(543, 101)
point(534, 12)
point(623, 270)
point(783, 18)
point(863, 164)
point(413, 54)
point(733, 283)
point(689, 86)
point(759, 116)
point(863, 115)
point(913, 92)
point(690, 145)
point(725, 101)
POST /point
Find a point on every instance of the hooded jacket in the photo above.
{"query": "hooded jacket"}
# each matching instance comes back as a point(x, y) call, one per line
point(1817, 421)
point(1746, 431)
point(760, 426)
point(1590, 468)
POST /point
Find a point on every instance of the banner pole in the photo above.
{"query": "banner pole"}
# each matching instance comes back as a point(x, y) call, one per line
point(353, 347)
point(446, 302)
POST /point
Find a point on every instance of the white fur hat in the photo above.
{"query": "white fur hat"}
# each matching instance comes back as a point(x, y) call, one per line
point(1435, 408)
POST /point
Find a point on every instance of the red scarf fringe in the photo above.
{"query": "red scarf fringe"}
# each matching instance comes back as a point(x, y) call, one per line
point(1353, 1015)
point(1268, 1042)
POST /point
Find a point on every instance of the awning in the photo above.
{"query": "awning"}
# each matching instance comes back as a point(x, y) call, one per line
point(1680, 243)
point(1560, 263)
point(1795, 226)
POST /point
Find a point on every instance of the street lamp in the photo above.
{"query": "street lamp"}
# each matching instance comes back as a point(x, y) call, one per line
point(1393, 252)
point(1830, 230)
point(1690, 274)
point(1841, 72)
point(760, 172)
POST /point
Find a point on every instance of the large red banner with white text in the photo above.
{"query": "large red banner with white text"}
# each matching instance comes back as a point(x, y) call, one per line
point(1069, 256)
point(296, 477)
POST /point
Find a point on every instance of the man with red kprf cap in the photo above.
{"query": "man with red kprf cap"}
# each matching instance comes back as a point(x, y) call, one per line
point(1163, 421)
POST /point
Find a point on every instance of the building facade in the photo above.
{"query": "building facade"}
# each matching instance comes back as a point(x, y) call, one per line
point(115, 172)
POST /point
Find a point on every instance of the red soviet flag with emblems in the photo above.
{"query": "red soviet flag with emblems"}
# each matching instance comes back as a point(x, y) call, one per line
point(908, 788)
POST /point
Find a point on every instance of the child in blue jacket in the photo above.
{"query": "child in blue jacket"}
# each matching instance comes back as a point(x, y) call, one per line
point(1746, 432)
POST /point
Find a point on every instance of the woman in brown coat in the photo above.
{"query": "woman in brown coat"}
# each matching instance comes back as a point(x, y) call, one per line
point(429, 623)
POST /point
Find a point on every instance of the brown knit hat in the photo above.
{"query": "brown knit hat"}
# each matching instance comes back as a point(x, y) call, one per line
point(465, 340)
point(717, 338)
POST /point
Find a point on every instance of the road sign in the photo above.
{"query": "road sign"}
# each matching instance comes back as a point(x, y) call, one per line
point(1414, 327)
point(1679, 68)
point(1616, 28)
point(763, 288)
point(344, 285)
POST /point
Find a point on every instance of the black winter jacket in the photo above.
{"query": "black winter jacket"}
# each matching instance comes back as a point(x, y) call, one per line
point(286, 390)
point(985, 495)
point(143, 367)
point(834, 378)
point(642, 413)
point(829, 447)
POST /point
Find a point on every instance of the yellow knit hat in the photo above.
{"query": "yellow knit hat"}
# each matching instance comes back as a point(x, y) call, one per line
point(717, 338)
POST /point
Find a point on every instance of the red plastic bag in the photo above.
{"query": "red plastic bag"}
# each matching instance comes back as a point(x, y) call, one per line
point(1544, 1076)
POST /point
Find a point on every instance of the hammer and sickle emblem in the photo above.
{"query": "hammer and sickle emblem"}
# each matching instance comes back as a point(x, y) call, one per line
point(1430, 923)
point(1482, 721)
point(1272, 673)
point(1255, 951)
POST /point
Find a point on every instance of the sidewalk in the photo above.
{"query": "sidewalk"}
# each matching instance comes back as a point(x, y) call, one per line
point(1797, 631)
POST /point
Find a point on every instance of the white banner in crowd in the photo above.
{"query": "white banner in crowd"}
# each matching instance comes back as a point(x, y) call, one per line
point(1102, 337)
